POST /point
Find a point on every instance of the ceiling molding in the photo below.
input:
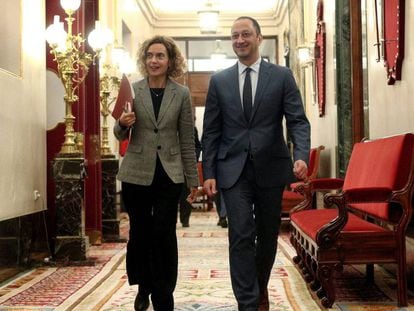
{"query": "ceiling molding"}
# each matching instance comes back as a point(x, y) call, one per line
point(154, 16)
point(269, 20)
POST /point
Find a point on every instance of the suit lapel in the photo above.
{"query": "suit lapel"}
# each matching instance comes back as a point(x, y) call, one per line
point(262, 82)
point(235, 89)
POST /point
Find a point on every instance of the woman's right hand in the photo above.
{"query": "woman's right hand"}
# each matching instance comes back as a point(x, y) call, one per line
point(127, 119)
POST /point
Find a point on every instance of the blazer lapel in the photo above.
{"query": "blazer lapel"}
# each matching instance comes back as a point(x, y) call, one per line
point(145, 95)
point(167, 99)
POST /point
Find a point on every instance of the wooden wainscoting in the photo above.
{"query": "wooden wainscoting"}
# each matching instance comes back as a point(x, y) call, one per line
point(198, 83)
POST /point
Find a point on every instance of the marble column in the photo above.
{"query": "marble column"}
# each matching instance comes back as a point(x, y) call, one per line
point(343, 83)
point(71, 243)
point(110, 211)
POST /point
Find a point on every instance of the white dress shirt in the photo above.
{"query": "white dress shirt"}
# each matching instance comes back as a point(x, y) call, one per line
point(254, 76)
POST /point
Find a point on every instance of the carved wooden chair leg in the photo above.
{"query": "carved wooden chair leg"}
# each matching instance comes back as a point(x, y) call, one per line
point(315, 284)
point(320, 293)
point(325, 276)
point(296, 260)
point(370, 273)
point(402, 281)
point(309, 275)
point(302, 255)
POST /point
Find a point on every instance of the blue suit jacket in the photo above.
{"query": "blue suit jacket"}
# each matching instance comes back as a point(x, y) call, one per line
point(228, 136)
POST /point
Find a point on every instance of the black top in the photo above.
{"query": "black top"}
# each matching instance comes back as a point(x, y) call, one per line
point(156, 95)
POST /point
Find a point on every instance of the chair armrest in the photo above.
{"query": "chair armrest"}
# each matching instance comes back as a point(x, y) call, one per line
point(328, 234)
point(295, 185)
point(320, 184)
point(308, 189)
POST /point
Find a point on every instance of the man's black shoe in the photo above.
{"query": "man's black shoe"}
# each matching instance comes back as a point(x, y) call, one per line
point(141, 302)
point(185, 224)
point(222, 222)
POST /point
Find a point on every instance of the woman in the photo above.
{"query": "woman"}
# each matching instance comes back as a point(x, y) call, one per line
point(160, 157)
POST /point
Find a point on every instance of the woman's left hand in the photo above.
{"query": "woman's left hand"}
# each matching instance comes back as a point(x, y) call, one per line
point(193, 195)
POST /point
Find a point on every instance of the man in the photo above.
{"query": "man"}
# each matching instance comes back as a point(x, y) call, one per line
point(246, 157)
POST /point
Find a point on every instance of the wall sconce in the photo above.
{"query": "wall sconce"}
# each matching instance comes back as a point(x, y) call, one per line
point(306, 58)
point(305, 55)
point(208, 19)
point(72, 65)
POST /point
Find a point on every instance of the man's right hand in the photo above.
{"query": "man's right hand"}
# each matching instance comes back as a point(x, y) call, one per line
point(210, 187)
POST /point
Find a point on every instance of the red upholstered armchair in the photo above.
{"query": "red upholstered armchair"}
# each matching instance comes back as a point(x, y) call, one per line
point(366, 221)
point(296, 195)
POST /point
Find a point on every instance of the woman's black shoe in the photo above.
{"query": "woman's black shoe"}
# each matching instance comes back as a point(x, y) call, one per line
point(141, 302)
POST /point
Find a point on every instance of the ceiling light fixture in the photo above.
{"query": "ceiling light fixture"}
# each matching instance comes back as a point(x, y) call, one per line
point(208, 19)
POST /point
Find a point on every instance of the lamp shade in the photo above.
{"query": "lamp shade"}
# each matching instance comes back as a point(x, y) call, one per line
point(100, 37)
point(208, 21)
point(56, 34)
point(70, 5)
point(304, 55)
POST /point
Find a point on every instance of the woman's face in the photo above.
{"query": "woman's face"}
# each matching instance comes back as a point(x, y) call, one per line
point(157, 60)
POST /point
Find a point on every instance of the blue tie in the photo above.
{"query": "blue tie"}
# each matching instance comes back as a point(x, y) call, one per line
point(247, 95)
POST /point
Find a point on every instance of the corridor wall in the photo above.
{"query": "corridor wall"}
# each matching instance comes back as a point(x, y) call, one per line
point(23, 113)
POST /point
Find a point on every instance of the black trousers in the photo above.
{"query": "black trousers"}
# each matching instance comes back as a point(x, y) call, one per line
point(152, 255)
point(185, 207)
point(253, 214)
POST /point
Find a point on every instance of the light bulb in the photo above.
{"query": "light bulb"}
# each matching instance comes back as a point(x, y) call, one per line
point(70, 5)
point(100, 37)
point(208, 21)
point(56, 34)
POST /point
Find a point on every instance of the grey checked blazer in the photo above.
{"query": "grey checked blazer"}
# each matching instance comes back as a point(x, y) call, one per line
point(171, 137)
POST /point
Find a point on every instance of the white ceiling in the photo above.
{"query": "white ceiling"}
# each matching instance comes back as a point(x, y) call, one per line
point(229, 6)
point(179, 17)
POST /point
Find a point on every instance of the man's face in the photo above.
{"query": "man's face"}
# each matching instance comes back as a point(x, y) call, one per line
point(245, 40)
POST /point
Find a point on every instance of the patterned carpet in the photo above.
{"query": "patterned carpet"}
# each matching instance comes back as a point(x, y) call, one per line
point(203, 284)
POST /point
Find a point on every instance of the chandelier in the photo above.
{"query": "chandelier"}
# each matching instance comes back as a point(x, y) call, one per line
point(208, 19)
